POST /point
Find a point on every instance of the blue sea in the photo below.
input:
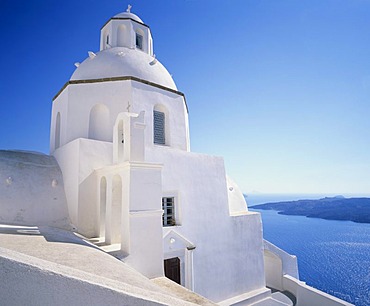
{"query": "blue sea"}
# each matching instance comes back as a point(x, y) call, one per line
point(333, 256)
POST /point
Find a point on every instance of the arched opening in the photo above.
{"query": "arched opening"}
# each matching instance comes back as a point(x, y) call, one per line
point(120, 141)
point(99, 123)
point(102, 206)
point(116, 218)
point(160, 125)
point(57, 132)
point(140, 41)
point(123, 37)
point(105, 40)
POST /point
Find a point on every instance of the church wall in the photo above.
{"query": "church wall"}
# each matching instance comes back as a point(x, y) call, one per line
point(228, 258)
point(87, 207)
point(67, 157)
point(31, 190)
point(146, 98)
point(78, 159)
point(82, 99)
point(60, 105)
point(93, 155)
point(76, 106)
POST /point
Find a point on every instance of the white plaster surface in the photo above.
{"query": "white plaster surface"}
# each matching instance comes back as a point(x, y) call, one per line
point(236, 199)
point(277, 264)
point(129, 15)
point(77, 101)
point(32, 190)
point(308, 296)
point(121, 61)
point(226, 245)
point(77, 160)
point(53, 266)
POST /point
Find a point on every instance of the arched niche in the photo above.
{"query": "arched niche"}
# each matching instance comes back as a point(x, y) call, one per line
point(161, 128)
point(99, 123)
point(123, 36)
point(57, 132)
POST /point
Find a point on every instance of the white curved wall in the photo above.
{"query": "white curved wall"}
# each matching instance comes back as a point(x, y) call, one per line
point(237, 203)
point(32, 190)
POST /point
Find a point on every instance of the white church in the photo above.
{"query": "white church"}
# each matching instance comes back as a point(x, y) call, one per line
point(122, 212)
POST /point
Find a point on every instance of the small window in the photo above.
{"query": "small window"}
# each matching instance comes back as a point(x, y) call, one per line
point(159, 127)
point(107, 39)
point(139, 41)
point(168, 206)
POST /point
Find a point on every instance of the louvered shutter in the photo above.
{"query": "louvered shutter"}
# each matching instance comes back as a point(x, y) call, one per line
point(159, 128)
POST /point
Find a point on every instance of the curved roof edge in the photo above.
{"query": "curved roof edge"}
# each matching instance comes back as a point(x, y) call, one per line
point(124, 18)
point(123, 78)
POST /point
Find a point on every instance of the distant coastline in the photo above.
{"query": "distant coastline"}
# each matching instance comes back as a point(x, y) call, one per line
point(329, 208)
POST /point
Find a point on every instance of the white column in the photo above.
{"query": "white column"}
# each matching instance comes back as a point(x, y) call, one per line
point(108, 215)
point(189, 278)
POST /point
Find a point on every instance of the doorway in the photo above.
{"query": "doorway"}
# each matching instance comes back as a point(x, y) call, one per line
point(172, 269)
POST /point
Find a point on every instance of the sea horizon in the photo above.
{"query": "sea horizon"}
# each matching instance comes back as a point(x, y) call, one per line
point(255, 198)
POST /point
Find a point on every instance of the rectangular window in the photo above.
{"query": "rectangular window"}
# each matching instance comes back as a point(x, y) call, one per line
point(168, 206)
point(159, 127)
point(139, 41)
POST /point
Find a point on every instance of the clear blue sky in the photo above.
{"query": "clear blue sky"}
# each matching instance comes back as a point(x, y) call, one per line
point(280, 89)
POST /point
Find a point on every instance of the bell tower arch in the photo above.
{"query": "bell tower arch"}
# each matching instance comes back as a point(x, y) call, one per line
point(126, 30)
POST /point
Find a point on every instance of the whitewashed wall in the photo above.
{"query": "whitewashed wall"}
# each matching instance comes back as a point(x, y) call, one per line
point(77, 101)
point(32, 190)
point(228, 258)
point(77, 160)
point(32, 281)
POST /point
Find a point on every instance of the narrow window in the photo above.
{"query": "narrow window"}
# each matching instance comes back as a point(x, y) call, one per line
point(139, 41)
point(168, 206)
point(57, 132)
point(159, 127)
point(108, 39)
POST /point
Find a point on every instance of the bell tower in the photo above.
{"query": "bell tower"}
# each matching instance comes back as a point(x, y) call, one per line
point(126, 30)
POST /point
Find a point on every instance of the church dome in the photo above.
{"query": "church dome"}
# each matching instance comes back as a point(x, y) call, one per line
point(121, 62)
point(128, 15)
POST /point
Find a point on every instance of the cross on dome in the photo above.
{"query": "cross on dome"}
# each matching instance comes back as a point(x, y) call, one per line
point(129, 8)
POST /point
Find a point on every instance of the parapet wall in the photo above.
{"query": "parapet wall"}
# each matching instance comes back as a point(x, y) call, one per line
point(308, 296)
point(31, 190)
point(32, 281)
